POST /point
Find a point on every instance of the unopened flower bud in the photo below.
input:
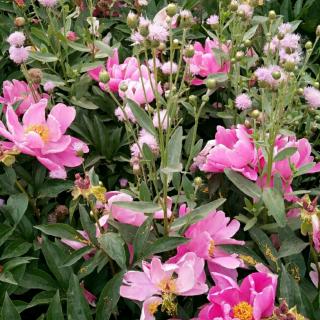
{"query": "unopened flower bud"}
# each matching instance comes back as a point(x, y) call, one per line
point(155, 44)
point(272, 15)
point(189, 51)
point(123, 87)
point(193, 99)
point(132, 20)
point(104, 76)
point(308, 45)
point(211, 83)
point(247, 124)
point(248, 43)
point(35, 75)
point(162, 46)
point(241, 13)
point(289, 66)
point(186, 19)
point(300, 92)
point(255, 114)
point(318, 31)
point(205, 98)
point(175, 43)
point(234, 6)
point(91, 213)
point(144, 30)
point(316, 84)
point(276, 75)
point(198, 181)
point(239, 55)
point(171, 9)
point(19, 21)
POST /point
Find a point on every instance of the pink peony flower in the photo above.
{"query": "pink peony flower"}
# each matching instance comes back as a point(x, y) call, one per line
point(16, 39)
point(234, 149)
point(44, 138)
point(312, 96)
point(254, 299)
point(243, 102)
point(204, 62)
point(207, 235)
point(16, 91)
point(160, 283)
point(48, 3)
point(18, 54)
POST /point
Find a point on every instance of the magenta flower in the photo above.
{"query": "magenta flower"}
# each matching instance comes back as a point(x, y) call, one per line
point(16, 91)
point(252, 300)
point(160, 283)
point(233, 149)
point(207, 235)
point(204, 62)
point(44, 138)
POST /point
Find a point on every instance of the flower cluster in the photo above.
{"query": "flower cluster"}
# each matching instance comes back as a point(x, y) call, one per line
point(18, 53)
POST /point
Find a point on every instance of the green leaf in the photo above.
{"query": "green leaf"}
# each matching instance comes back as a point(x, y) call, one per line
point(142, 117)
point(15, 248)
point(55, 309)
point(76, 255)
point(197, 214)
point(84, 103)
point(9, 311)
point(250, 33)
point(174, 152)
point(17, 204)
point(246, 186)
point(109, 297)
point(60, 230)
point(141, 237)
point(113, 245)
point(138, 206)
point(274, 202)
point(144, 193)
point(285, 153)
point(87, 224)
point(38, 279)
point(304, 169)
point(43, 57)
point(291, 247)
point(78, 307)
point(7, 277)
point(52, 188)
point(78, 46)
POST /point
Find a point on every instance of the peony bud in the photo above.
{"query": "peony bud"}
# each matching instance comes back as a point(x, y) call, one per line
point(211, 83)
point(171, 10)
point(132, 20)
point(19, 21)
point(308, 45)
point(272, 15)
point(255, 114)
point(35, 75)
point(189, 51)
point(104, 76)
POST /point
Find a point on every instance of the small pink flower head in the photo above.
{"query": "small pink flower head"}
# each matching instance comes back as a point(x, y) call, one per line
point(290, 41)
point(80, 148)
point(147, 138)
point(49, 86)
point(285, 28)
point(18, 54)
point(201, 158)
point(144, 22)
point(44, 137)
point(158, 32)
point(246, 9)
point(16, 39)
point(163, 119)
point(137, 38)
point(255, 297)
point(48, 3)
point(123, 182)
point(125, 114)
point(312, 96)
point(151, 64)
point(243, 102)
point(213, 20)
point(168, 68)
point(265, 76)
point(72, 36)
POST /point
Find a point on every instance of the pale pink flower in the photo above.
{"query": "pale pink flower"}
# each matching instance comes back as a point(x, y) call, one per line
point(243, 102)
point(314, 274)
point(285, 28)
point(49, 86)
point(151, 64)
point(213, 20)
point(204, 62)
point(144, 22)
point(312, 96)
point(18, 54)
point(207, 235)
point(163, 119)
point(137, 38)
point(186, 277)
point(168, 68)
point(16, 91)
point(125, 114)
point(72, 36)
point(246, 9)
point(48, 3)
point(142, 3)
point(80, 147)
point(44, 138)
point(290, 41)
point(16, 39)
point(264, 75)
point(255, 297)
point(123, 182)
point(316, 232)
point(158, 32)
point(201, 158)
point(162, 18)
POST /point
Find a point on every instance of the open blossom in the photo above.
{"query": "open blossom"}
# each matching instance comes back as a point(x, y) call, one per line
point(44, 138)
point(125, 114)
point(246, 9)
point(243, 102)
point(16, 91)
point(160, 283)
point(207, 235)
point(48, 3)
point(232, 149)
point(253, 300)
point(158, 32)
point(265, 76)
point(285, 28)
point(213, 20)
point(312, 96)
point(18, 54)
point(16, 39)
point(204, 62)
point(169, 68)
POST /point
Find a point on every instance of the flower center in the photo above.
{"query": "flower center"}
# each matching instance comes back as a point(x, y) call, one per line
point(167, 285)
point(41, 130)
point(153, 307)
point(211, 248)
point(243, 311)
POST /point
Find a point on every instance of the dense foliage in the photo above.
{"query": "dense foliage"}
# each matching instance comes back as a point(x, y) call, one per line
point(159, 160)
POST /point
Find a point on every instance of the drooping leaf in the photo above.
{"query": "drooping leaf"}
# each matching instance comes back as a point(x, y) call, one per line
point(55, 309)
point(9, 311)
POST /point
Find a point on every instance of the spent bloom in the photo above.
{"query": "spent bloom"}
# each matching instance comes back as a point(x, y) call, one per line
point(16, 39)
point(48, 3)
point(253, 300)
point(160, 283)
point(18, 54)
point(44, 138)
point(243, 102)
point(312, 96)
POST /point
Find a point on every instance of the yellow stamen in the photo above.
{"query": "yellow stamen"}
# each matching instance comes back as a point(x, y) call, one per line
point(211, 248)
point(41, 130)
point(243, 311)
point(168, 285)
point(153, 307)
